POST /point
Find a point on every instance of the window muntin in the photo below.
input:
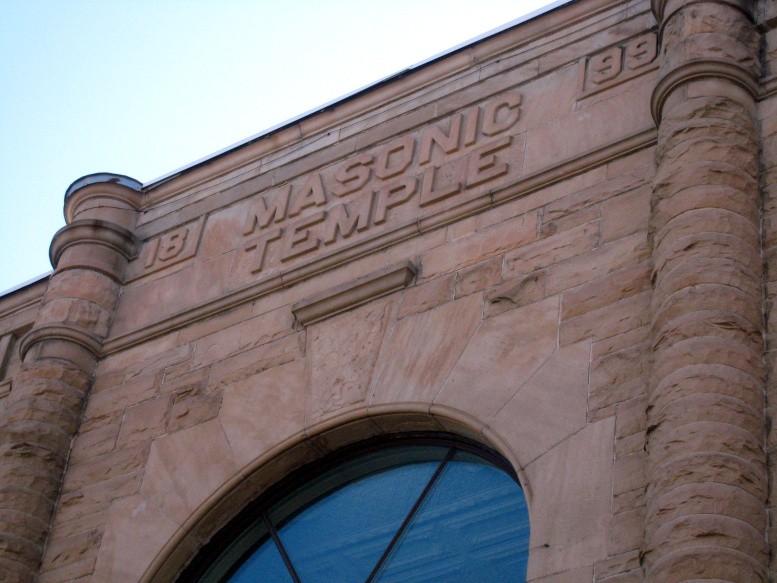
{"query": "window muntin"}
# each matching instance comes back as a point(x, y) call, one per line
point(425, 510)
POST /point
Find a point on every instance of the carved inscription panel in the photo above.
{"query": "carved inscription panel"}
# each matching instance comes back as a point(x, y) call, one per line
point(168, 249)
point(617, 64)
point(391, 186)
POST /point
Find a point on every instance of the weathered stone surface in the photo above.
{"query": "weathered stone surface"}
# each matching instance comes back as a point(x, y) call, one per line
point(570, 475)
point(343, 351)
point(589, 303)
point(502, 355)
point(478, 277)
point(260, 411)
point(552, 249)
point(124, 557)
point(422, 350)
point(515, 293)
point(479, 246)
point(550, 406)
point(246, 335)
point(184, 468)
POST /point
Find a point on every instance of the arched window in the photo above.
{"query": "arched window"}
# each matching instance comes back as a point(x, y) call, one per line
point(421, 509)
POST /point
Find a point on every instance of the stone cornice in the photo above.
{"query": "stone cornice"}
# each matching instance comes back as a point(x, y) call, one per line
point(354, 293)
point(60, 332)
point(375, 97)
point(95, 232)
point(23, 298)
point(699, 69)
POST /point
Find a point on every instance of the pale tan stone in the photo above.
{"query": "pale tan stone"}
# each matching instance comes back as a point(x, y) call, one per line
point(192, 406)
point(626, 530)
point(550, 143)
point(631, 499)
point(617, 564)
point(427, 295)
point(478, 277)
point(479, 246)
point(622, 317)
point(254, 361)
point(104, 467)
point(591, 214)
point(619, 367)
point(160, 361)
point(93, 443)
point(597, 263)
point(260, 411)
point(144, 421)
point(502, 355)
point(570, 509)
point(342, 353)
point(243, 336)
point(125, 553)
point(515, 293)
point(108, 406)
point(186, 467)
point(421, 351)
point(607, 290)
point(550, 406)
point(551, 250)
point(582, 574)
point(136, 354)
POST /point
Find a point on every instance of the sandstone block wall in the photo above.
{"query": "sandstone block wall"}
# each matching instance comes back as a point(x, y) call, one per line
point(557, 241)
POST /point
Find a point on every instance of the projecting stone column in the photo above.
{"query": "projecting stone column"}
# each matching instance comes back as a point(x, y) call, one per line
point(706, 516)
point(90, 255)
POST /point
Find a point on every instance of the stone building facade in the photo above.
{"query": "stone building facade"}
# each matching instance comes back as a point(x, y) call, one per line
point(558, 242)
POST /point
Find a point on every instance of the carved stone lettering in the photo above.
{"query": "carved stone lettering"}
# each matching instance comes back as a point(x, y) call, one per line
point(171, 248)
point(390, 185)
point(605, 66)
point(617, 64)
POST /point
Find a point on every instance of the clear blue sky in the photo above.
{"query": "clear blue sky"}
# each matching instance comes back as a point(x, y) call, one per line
point(143, 87)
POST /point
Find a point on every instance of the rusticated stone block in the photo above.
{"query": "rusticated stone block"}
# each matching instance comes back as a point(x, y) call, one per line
point(427, 295)
point(515, 293)
point(478, 277)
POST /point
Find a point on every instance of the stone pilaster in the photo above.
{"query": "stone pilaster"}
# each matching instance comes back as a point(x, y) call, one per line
point(706, 516)
point(37, 427)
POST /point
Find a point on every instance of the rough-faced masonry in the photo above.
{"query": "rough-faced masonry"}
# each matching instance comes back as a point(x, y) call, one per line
point(558, 242)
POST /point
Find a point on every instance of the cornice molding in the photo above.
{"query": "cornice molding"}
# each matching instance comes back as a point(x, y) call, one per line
point(375, 97)
point(72, 334)
point(93, 232)
point(699, 69)
point(354, 293)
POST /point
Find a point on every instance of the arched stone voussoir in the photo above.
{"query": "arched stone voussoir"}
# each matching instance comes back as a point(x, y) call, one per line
point(136, 529)
point(186, 467)
point(505, 354)
point(273, 463)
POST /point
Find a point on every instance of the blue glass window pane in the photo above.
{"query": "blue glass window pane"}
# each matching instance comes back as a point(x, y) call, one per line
point(265, 565)
point(473, 526)
point(341, 537)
